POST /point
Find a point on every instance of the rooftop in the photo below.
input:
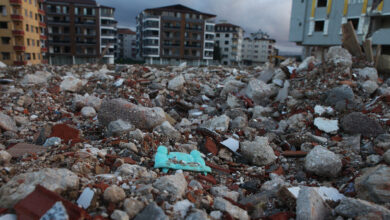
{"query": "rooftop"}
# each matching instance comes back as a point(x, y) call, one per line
point(179, 8)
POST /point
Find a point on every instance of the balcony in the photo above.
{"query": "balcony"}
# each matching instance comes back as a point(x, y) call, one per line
point(18, 32)
point(20, 63)
point(44, 49)
point(17, 17)
point(15, 2)
point(43, 37)
point(42, 12)
point(20, 48)
point(42, 24)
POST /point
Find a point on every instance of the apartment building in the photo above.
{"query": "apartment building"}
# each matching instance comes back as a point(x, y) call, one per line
point(108, 31)
point(126, 44)
point(258, 49)
point(174, 34)
point(229, 38)
point(73, 31)
point(22, 32)
point(318, 23)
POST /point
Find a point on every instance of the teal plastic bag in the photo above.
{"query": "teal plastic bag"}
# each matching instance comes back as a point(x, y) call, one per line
point(180, 161)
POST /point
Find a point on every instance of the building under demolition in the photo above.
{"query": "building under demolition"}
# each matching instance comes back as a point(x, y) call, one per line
point(318, 23)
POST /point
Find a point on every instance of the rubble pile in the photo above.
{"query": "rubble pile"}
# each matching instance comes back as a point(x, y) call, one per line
point(304, 141)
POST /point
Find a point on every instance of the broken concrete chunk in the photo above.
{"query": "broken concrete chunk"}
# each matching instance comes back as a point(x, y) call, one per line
point(175, 185)
point(310, 205)
point(259, 152)
point(323, 162)
point(327, 125)
point(358, 123)
point(72, 84)
point(152, 211)
point(176, 83)
point(226, 206)
point(7, 123)
point(114, 194)
point(258, 91)
point(354, 208)
point(373, 184)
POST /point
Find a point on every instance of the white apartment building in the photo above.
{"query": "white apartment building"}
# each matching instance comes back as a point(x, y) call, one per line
point(258, 49)
point(107, 33)
point(229, 38)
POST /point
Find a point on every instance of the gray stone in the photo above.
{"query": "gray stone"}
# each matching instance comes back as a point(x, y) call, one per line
point(132, 207)
point(351, 142)
point(114, 194)
point(239, 122)
point(274, 185)
point(358, 123)
point(258, 91)
point(232, 86)
point(220, 123)
point(373, 184)
point(266, 75)
point(7, 123)
point(139, 116)
point(260, 111)
point(5, 157)
point(339, 56)
point(175, 185)
point(182, 207)
point(340, 95)
point(310, 205)
point(226, 206)
point(119, 127)
point(135, 171)
point(223, 191)
point(354, 208)
point(373, 159)
point(53, 141)
point(283, 92)
point(38, 78)
point(72, 84)
point(258, 152)
point(86, 100)
point(197, 214)
point(323, 162)
point(167, 130)
point(177, 83)
point(386, 157)
point(233, 102)
point(88, 112)
point(119, 215)
point(383, 141)
point(136, 135)
point(369, 86)
point(152, 211)
point(368, 73)
point(57, 180)
point(305, 64)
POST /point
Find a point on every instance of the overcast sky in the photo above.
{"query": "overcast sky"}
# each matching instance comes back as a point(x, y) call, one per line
point(272, 16)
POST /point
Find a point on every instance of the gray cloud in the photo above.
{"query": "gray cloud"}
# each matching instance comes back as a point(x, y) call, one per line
point(272, 16)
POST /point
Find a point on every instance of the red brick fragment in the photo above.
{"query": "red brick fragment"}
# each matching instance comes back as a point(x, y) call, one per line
point(279, 171)
point(208, 178)
point(65, 132)
point(214, 166)
point(101, 186)
point(336, 138)
point(20, 149)
point(290, 153)
point(211, 146)
point(37, 203)
point(281, 216)
point(190, 197)
point(129, 160)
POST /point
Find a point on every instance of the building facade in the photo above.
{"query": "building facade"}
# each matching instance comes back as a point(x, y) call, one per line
point(22, 32)
point(175, 34)
point(258, 49)
point(126, 44)
point(108, 31)
point(318, 23)
point(229, 39)
point(73, 31)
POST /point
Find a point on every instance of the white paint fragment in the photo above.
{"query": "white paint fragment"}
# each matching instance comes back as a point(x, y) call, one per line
point(85, 198)
point(231, 143)
point(327, 125)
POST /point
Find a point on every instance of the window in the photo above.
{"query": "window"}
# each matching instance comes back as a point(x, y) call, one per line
point(25, 12)
point(226, 42)
point(38, 43)
point(27, 27)
point(3, 10)
point(28, 42)
point(226, 35)
point(29, 1)
point(76, 11)
point(322, 3)
point(33, 42)
point(319, 26)
point(30, 14)
point(5, 40)
point(28, 56)
point(6, 55)
point(36, 29)
point(3, 25)
point(33, 56)
point(226, 49)
point(355, 22)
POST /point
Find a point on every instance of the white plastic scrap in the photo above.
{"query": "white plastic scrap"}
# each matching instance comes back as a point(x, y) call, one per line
point(85, 198)
point(119, 82)
point(231, 143)
point(318, 109)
